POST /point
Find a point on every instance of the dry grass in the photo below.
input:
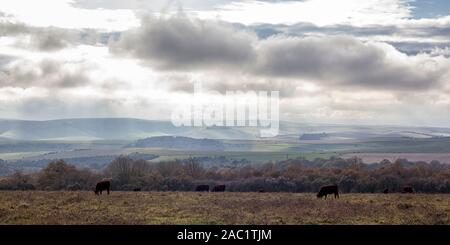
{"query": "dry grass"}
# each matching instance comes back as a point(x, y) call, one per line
point(36, 207)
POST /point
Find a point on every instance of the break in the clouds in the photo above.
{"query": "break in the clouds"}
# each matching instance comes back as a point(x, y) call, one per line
point(374, 61)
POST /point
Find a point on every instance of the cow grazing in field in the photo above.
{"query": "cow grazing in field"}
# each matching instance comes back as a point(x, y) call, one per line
point(137, 189)
point(407, 189)
point(261, 191)
point(386, 191)
point(219, 188)
point(102, 186)
point(204, 188)
point(328, 190)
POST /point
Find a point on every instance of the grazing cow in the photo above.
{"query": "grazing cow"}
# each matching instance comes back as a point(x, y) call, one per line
point(137, 189)
point(261, 191)
point(219, 188)
point(204, 188)
point(408, 189)
point(101, 186)
point(386, 191)
point(328, 190)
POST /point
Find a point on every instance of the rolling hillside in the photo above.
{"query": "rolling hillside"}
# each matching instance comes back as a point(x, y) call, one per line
point(88, 129)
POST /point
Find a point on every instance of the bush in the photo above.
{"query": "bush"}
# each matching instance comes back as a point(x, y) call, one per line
point(59, 175)
point(294, 175)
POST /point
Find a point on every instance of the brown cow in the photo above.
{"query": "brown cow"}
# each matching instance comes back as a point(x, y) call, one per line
point(386, 191)
point(137, 189)
point(101, 186)
point(328, 190)
point(219, 188)
point(408, 189)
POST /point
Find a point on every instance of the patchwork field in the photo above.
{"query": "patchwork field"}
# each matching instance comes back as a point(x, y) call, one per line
point(35, 207)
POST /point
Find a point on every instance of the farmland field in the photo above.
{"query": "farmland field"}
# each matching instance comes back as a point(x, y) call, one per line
point(37, 207)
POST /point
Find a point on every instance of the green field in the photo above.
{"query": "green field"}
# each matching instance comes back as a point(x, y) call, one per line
point(36, 207)
point(253, 156)
point(256, 157)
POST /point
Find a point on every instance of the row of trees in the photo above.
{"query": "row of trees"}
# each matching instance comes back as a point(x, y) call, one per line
point(298, 175)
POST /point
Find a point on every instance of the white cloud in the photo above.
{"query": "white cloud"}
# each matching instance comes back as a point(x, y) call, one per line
point(62, 13)
point(441, 52)
point(182, 44)
point(338, 69)
point(319, 12)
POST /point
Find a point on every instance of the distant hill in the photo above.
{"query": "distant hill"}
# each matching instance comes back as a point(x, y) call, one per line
point(129, 129)
point(82, 129)
point(181, 143)
point(314, 136)
point(111, 129)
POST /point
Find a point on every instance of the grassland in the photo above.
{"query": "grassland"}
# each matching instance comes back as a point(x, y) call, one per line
point(36, 207)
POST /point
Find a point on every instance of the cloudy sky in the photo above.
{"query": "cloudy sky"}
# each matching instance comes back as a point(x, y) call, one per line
point(346, 61)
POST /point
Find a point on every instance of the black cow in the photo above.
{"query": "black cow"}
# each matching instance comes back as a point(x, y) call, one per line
point(219, 188)
point(328, 190)
point(101, 186)
point(204, 188)
point(137, 189)
point(408, 189)
point(386, 191)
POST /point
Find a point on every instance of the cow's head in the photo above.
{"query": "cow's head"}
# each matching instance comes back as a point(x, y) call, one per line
point(319, 195)
point(96, 192)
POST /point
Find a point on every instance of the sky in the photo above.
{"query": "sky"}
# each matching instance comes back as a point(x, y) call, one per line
point(347, 61)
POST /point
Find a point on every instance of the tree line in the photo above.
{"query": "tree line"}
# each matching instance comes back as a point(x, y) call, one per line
point(294, 175)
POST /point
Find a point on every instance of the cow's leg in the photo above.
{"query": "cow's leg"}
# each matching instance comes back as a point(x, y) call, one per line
point(107, 190)
point(326, 196)
point(101, 193)
point(336, 195)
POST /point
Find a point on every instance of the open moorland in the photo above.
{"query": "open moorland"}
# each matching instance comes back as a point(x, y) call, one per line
point(39, 207)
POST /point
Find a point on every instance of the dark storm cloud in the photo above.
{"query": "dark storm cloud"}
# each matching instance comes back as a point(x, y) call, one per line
point(183, 43)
